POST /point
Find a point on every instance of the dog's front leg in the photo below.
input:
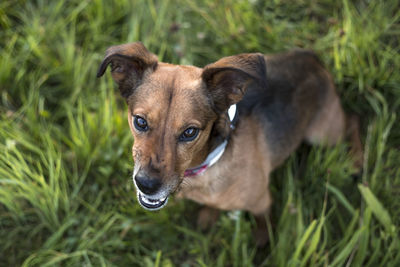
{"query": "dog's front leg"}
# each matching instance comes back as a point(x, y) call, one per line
point(260, 233)
point(206, 217)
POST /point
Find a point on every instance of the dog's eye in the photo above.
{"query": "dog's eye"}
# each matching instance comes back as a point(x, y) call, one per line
point(189, 134)
point(140, 124)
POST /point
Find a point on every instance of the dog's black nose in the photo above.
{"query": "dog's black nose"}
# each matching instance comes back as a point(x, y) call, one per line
point(147, 185)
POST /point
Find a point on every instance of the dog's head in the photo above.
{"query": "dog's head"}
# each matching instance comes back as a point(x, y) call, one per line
point(176, 113)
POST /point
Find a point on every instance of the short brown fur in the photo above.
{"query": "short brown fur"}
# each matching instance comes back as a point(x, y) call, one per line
point(282, 100)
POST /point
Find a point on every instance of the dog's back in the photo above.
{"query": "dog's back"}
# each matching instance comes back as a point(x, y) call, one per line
point(297, 88)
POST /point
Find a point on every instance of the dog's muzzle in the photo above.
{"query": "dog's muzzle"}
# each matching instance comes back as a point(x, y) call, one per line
point(148, 191)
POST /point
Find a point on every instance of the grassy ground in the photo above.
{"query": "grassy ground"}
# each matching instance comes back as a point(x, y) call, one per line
point(66, 196)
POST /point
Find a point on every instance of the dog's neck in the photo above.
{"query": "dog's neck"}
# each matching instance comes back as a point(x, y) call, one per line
point(218, 149)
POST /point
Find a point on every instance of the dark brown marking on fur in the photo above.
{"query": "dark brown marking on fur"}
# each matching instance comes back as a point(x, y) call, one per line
point(228, 79)
point(128, 63)
point(156, 170)
point(295, 83)
point(170, 95)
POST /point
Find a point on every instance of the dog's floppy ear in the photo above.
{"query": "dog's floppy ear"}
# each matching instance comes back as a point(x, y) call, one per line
point(228, 79)
point(128, 64)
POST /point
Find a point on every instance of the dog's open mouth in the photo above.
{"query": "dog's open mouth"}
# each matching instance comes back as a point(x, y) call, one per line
point(151, 204)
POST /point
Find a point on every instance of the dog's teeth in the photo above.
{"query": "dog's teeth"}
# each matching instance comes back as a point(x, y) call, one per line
point(152, 201)
point(151, 204)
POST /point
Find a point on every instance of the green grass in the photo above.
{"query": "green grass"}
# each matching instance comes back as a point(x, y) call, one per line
point(66, 195)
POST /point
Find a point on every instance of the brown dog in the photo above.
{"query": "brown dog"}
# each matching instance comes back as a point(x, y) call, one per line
point(187, 142)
